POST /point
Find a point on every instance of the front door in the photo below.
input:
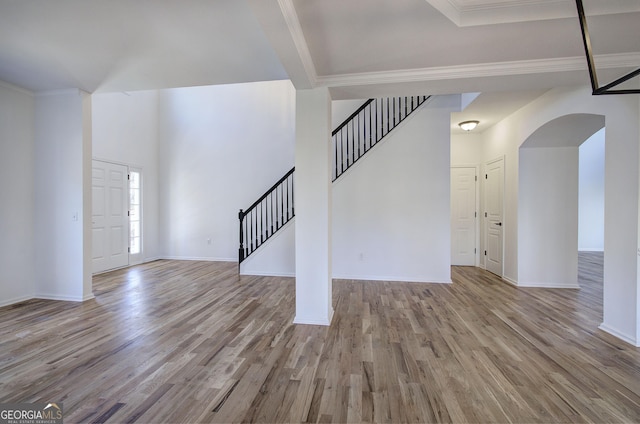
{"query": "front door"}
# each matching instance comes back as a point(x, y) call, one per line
point(463, 216)
point(109, 216)
point(494, 228)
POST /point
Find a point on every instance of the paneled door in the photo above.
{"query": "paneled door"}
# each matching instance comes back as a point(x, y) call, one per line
point(110, 216)
point(463, 216)
point(494, 228)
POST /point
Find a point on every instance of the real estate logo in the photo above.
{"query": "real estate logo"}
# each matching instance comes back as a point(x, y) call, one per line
point(31, 413)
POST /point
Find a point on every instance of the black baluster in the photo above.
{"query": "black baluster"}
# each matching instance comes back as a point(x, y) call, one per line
point(335, 162)
point(370, 129)
point(251, 229)
point(388, 116)
point(293, 211)
point(241, 249)
point(405, 107)
point(270, 214)
point(347, 164)
point(359, 132)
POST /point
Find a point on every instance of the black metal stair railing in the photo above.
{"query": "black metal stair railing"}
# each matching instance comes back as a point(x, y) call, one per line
point(351, 140)
point(367, 126)
point(266, 216)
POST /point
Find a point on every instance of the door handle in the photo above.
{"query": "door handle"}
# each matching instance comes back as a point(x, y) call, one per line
point(499, 224)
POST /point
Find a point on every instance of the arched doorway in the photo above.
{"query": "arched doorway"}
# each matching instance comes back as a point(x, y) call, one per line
point(548, 201)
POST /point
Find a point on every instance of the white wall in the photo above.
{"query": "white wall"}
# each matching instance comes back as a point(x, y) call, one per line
point(62, 208)
point(342, 109)
point(591, 194)
point(387, 206)
point(391, 218)
point(547, 212)
point(125, 131)
point(277, 257)
point(220, 148)
point(17, 117)
point(467, 149)
point(621, 189)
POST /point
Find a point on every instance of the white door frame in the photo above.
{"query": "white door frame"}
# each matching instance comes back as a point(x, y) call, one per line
point(476, 246)
point(133, 259)
point(110, 255)
point(485, 218)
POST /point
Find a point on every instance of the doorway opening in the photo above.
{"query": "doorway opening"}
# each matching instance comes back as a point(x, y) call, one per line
point(116, 216)
point(548, 201)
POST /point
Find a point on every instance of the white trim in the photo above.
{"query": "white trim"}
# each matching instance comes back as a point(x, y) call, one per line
point(390, 279)
point(45, 296)
point(510, 281)
point(490, 12)
point(151, 259)
point(109, 270)
point(548, 285)
point(17, 89)
point(269, 274)
point(129, 165)
point(295, 29)
point(314, 321)
point(484, 219)
point(15, 300)
point(481, 70)
point(478, 169)
point(199, 258)
point(618, 334)
point(591, 249)
point(64, 91)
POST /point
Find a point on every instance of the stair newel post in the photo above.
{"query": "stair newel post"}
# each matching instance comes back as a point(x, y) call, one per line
point(241, 249)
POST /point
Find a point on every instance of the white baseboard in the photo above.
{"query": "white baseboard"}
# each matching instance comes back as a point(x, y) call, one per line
point(151, 259)
point(198, 258)
point(314, 321)
point(548, 285)
point(510, 281)
point(589, 249)
point(47, 296)
point(268, 273)
point(390, 279)
point(619, 335)
point(15, 300)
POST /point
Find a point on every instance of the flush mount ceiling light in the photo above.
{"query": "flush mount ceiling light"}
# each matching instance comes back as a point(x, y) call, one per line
point(468, 125)
point(605, 89)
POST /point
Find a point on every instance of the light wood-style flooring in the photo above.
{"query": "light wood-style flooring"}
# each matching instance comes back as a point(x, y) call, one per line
point(182, 342)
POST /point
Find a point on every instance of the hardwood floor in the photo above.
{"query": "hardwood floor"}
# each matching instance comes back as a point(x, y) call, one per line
point(177, 341)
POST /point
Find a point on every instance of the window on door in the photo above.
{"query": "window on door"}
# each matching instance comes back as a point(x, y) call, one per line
point(135, 213)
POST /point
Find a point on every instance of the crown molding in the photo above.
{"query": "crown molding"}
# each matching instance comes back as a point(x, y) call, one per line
point(490, 12)
point(523, 67)
point(9, 86)
point(60, 92)
point(295, 29)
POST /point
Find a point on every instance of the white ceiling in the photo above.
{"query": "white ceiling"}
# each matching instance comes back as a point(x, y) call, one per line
point(122, 45)
point(511, 50)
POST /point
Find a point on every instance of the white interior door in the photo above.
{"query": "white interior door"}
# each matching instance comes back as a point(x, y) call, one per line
point(494, 228)
point(109, 216)
point(463, 216)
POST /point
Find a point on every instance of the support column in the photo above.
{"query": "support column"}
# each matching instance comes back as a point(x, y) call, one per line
point(313, 207)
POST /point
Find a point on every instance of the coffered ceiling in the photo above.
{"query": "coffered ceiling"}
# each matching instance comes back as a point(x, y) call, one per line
point(358, 48)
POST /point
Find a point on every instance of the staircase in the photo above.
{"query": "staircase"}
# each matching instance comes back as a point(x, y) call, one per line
point(350, 141)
